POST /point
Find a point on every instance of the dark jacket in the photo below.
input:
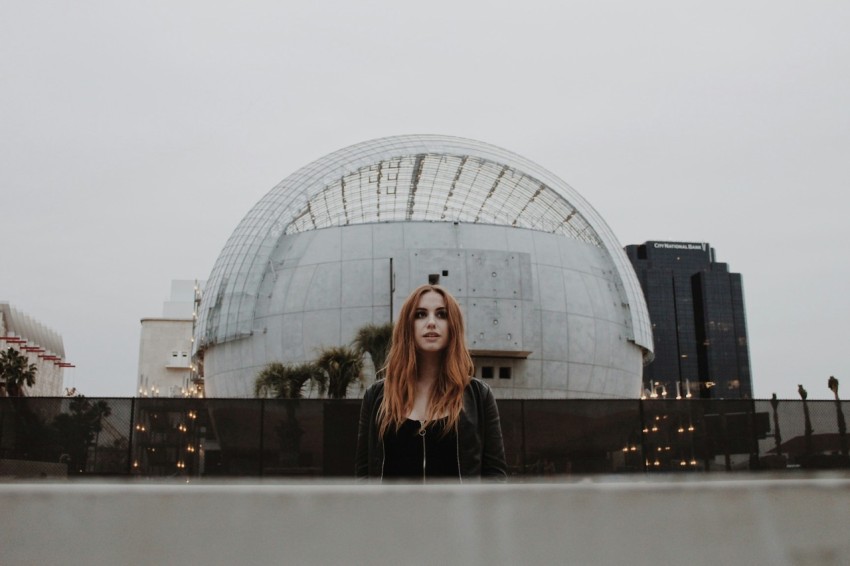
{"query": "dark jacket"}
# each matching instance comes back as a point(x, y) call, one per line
point(481, 453)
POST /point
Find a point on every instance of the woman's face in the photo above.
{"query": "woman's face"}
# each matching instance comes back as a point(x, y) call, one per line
point(430, 323)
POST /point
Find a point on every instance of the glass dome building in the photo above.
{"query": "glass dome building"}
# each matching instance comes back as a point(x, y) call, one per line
point(553, 307)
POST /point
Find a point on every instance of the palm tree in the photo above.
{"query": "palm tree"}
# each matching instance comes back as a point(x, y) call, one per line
point(79, 429)
point(343, 366)
point(15, 372)
point(375, 339)
point(287, 382)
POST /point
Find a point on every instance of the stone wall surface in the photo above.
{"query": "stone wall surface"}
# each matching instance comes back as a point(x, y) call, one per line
point(754, 520)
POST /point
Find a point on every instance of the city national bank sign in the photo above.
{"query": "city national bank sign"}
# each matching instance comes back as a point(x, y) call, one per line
point(678, 246)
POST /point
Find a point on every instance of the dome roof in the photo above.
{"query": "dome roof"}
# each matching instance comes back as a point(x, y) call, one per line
point(426, 178)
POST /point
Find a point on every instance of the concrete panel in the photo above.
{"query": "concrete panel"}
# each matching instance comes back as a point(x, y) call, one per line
point(274, 334)
point(352, 320)
point(493, 324)
point(532, 336)
point(578, 299)
point(557, 338)
point(387, 239)
point(532, 376)
point(580, 377)
point(599, 380)
point(423, 263)
point(257, 344)
point(325, 246)
point(555, 375)
point(546, 251)
point(356, 281)
point(602, 353)
point(299, 286)
point(381, 282)
point(520, 240)
point(622, 351)
point(325, 287)
point(280, 288)
point(380, 315)
point(321, 329)
point(578, 255)
point(552, 296)
point(292, 344)
point(483, 237)
point(291, 248)
point(244, 381)
point(356, 242)
point(430, 235)
point(600, 299)
point(582, 343)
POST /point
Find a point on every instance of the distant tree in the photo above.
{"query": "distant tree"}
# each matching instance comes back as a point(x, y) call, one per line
point(80, 428)
point(375, 339)
point(16, 372)
point(343, 366)
point(281, 381)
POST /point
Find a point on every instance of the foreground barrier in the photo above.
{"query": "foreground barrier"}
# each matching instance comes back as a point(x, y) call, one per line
point(634, 520)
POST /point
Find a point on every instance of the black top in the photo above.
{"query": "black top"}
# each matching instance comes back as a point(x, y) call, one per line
point(419, 454)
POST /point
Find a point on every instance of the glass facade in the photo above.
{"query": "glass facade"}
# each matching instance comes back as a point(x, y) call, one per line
point(696, 309)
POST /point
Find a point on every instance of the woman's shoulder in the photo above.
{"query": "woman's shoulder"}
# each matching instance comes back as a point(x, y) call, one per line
point(374, 390)
point(479, 387)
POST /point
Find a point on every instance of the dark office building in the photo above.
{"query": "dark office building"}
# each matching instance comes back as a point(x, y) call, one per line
point(696, 308)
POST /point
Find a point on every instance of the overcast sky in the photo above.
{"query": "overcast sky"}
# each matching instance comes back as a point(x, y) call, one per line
point(135, 135)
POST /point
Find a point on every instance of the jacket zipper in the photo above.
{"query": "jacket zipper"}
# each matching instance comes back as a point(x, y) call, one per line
point(424, 453)
point(383, 460)
point(457, 453)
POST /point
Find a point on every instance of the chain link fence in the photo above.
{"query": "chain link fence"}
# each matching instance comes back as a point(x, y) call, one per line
point(168, 437)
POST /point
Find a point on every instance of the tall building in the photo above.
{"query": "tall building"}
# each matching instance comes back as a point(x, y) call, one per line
point(696, 307)
point(553, 308)
point(42, 347)
point(165, 346)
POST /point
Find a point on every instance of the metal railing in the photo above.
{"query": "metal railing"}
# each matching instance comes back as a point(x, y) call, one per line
point(173, 437)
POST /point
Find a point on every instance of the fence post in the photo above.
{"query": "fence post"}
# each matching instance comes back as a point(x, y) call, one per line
point(132, 436)
point(642, 425)
point(262, 436)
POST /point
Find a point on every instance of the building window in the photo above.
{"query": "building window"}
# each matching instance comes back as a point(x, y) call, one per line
point(504, 373)
point(487, 372)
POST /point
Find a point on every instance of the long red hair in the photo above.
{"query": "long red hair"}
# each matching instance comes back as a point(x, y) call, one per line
point(401, 371)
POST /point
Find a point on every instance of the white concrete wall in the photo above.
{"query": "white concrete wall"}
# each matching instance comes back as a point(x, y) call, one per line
point(161, 374)
point(693, 521)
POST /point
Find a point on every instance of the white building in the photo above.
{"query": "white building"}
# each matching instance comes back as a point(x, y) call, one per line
point(165, 346)
point(42, 346)
point(553, 306)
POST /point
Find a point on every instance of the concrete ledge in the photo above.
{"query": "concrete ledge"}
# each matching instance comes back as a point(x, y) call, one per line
point(680, 520)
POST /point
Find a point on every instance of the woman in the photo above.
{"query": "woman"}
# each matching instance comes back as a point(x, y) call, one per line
point(429, 418)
